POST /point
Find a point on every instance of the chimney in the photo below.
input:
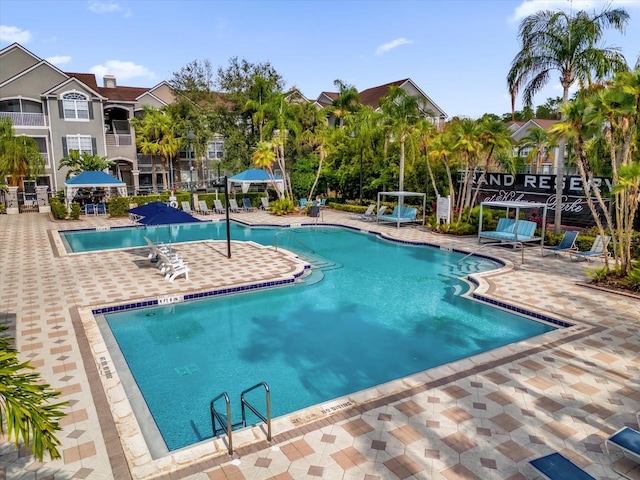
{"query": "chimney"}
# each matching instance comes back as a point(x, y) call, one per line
point(109, 81)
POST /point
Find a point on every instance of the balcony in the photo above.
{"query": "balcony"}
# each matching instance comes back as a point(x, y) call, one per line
point(118, 140)
point(24, 119)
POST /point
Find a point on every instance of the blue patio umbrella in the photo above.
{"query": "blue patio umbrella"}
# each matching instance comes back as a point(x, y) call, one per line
point(148, 209)
point(158, 213)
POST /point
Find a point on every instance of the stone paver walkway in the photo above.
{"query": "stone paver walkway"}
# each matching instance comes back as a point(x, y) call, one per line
point(480, 418)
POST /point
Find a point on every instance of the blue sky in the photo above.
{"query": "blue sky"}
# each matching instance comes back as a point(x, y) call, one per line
point(457, 51)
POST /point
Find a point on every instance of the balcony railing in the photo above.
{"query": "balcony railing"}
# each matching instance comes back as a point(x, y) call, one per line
point(116, 140)
point(25, 119)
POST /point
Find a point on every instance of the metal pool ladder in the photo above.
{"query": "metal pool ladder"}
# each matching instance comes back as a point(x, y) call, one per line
point(227, 426)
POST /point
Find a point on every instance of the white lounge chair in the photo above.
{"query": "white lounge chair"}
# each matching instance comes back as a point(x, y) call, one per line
point(598, 249)
point(368, 214)
point(204, 209)
point(186, 207)
point(217, 206)
point(265, 203)
point(233, 206)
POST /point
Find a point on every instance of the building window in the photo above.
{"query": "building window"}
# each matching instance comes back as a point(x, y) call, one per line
point(75, 106)
point(82, 143)
point(214, 150)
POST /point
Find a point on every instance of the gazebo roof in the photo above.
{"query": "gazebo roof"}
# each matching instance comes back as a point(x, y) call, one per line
point(94, 179)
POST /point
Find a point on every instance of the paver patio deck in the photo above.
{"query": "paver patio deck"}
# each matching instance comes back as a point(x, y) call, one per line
point(480, 418)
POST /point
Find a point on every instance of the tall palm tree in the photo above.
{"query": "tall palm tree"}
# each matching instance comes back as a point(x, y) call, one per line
point(496, 139)
point(347, 103)
point(365, 132)
point(466, 136)
point(567, 42)
point(283, 125)
point(402, 114)
point(263, 157)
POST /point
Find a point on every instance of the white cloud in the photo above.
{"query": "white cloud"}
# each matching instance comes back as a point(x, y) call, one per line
point(391, 45)
point(14, 35)
point(122, 70)
point(104, 7)
point(59, 60)
point(529, 7)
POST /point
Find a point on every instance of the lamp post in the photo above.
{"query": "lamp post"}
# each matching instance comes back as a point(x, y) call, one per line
point(190, 137)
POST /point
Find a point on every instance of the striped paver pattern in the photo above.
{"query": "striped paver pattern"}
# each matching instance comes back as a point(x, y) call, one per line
point(480, 418)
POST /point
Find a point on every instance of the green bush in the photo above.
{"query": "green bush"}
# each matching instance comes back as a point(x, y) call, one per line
point(58, 209)
point(75, 211)
point(282, 207)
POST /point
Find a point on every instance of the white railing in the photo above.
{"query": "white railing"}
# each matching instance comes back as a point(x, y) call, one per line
point(25, 119)
point(115, 140)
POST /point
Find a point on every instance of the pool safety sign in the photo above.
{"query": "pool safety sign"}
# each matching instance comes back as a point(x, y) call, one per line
point(524, 187)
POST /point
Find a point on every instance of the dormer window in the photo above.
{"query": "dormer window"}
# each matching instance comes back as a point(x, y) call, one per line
point(75, 106)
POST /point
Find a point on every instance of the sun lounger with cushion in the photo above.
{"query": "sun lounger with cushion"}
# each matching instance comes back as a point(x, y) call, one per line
point(598, 250)
point(558, 467)
point(568, 244)
point(265, 203)
point(628, 441)
point(246, 204)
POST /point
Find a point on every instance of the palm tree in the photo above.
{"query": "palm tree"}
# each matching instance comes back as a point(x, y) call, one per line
point(365, 132)
point(263, 157)
point(567, 42)
point(540, 142)
point(466, 137)
point(155, 137)
point(282, 125)
point(85, 162)
point(19, 156)
point(496, 139)
point(261, 92)
point(401, 116)
point(26, 410)
point(347, 103)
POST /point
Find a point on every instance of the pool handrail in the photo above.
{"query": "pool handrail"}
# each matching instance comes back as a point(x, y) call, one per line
point(244, 403)
point(228, 428)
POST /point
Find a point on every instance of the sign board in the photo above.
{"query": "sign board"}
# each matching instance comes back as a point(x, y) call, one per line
point(505, 187)
point(443, 209)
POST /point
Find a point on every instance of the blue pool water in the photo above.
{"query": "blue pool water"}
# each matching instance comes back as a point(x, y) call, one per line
point(382, 312)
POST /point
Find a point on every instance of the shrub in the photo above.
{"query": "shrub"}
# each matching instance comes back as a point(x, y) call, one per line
point(282, 207)
point(58, 209)
point(75, 211)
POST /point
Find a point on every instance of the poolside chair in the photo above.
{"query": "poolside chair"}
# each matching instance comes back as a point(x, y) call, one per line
point(186, 207)
point(90, 209)
point(568, 244)
point(626, 439)
point(264, 203)
point(302, 203)
point(204, 209)
point(233, 206)
point(217, 206)
point(558, 467)
point(598, 250)
point(101, 209)
point(246, 204)
point(380, 212)
point(367, 214)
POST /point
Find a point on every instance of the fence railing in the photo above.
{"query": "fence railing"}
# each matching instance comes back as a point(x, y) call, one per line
point(25, 119)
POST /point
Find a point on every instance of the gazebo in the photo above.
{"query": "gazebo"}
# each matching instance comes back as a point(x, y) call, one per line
point(90, 179)
point(255, 175)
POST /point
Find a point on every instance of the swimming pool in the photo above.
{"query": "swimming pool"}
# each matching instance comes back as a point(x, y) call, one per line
point(382, 311)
